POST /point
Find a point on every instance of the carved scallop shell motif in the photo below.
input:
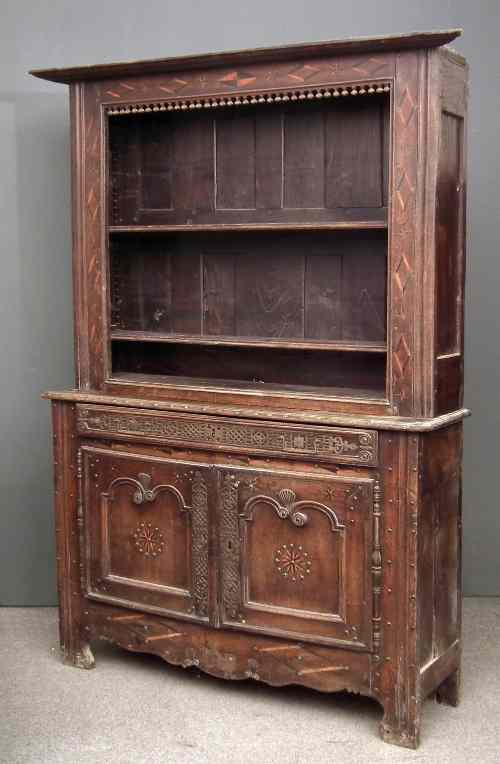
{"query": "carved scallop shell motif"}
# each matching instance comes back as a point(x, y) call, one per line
point(287, 497)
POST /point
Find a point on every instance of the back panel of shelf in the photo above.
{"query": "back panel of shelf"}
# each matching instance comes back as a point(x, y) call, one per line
point(251, 306)
point(289, 163)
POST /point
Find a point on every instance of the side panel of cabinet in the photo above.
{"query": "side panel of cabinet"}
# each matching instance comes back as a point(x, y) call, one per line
point(439, 572)
point(146, 522)
point(296, 555)
point(450, 237)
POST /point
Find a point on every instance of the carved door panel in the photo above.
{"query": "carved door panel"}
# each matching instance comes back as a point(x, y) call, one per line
point(298, 555)
point(145, 531)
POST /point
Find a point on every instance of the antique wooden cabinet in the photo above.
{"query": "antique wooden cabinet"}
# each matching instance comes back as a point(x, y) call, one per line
point(259, 470)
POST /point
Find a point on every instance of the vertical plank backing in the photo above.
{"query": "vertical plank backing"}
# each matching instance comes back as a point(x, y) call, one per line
point(354, 155)
point(156, 164)
point(304, 158)
point(269, 295)
point(235, 161)
point(125, 161)
point(185, 287)
point(322, 303)
point(193, 154)
point(364, 293)
point(218, 292)
point(268, 159)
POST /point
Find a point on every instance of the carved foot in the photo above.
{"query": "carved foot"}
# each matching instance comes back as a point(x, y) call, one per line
point(449, 691)
point(83, 658)
point(406, 736)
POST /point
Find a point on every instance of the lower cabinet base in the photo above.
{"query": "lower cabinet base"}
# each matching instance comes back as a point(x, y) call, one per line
point(232, 655)
point(336, 574)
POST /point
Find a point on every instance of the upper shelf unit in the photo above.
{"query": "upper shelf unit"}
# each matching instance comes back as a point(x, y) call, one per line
point(318, 162)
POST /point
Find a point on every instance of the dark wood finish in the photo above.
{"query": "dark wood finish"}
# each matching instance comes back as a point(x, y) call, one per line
point(363, 346)
point(296, 556)
point(284, 286)
point(450, 237)
point(347, 446)
point(242, 57)
point(259, 472)
point(290, 163)
point(266, 413)
point(307, 370)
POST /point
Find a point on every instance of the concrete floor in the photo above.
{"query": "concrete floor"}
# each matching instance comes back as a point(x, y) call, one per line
point(136, 708)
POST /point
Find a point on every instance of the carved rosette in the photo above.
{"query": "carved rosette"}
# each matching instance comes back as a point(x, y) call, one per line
point(148, 540)
point(292, 562)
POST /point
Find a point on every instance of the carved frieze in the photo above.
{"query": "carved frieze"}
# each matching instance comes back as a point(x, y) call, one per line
point(335, 444)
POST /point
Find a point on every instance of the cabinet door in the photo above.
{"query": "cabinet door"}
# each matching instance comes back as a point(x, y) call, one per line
point(145, 522)
point(296, 555)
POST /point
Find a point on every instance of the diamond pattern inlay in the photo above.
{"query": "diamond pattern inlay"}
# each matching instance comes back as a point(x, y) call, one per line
point(403, 273)
point(407, 108)
point(303, 73)
point(173, 86)
point(238, 79)
point(405, 190)
point(402, 355)
point(369, 66)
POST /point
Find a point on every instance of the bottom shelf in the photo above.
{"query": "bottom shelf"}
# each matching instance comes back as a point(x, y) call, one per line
point(353, 375)
point(357, 393)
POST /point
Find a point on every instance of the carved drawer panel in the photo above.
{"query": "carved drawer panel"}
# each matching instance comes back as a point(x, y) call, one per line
point(342, 445)
point(144, 531)
point(299, 555)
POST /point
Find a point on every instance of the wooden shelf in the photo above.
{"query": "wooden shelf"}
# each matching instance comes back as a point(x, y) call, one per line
point(350, 346)
point(346, 225)
point(228, 385)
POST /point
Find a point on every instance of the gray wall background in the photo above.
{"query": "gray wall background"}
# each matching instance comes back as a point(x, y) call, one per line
point(35, 274)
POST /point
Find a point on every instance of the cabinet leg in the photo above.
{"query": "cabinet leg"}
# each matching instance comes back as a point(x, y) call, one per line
point(448, 691)
point(401, 723)
point(83, 657)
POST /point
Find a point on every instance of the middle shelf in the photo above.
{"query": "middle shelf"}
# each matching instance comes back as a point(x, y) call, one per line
point(351, 346)
point(321, 290)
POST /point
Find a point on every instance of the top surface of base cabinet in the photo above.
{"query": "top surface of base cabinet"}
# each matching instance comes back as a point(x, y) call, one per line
point(278, 227)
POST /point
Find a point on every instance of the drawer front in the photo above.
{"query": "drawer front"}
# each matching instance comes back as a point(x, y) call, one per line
point(224, 434)
point(145, 527)
point(296, 555)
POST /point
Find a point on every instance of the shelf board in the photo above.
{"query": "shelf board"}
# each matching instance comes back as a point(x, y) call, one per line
point(345, 225)
point(350, 346)
point(371, 395)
